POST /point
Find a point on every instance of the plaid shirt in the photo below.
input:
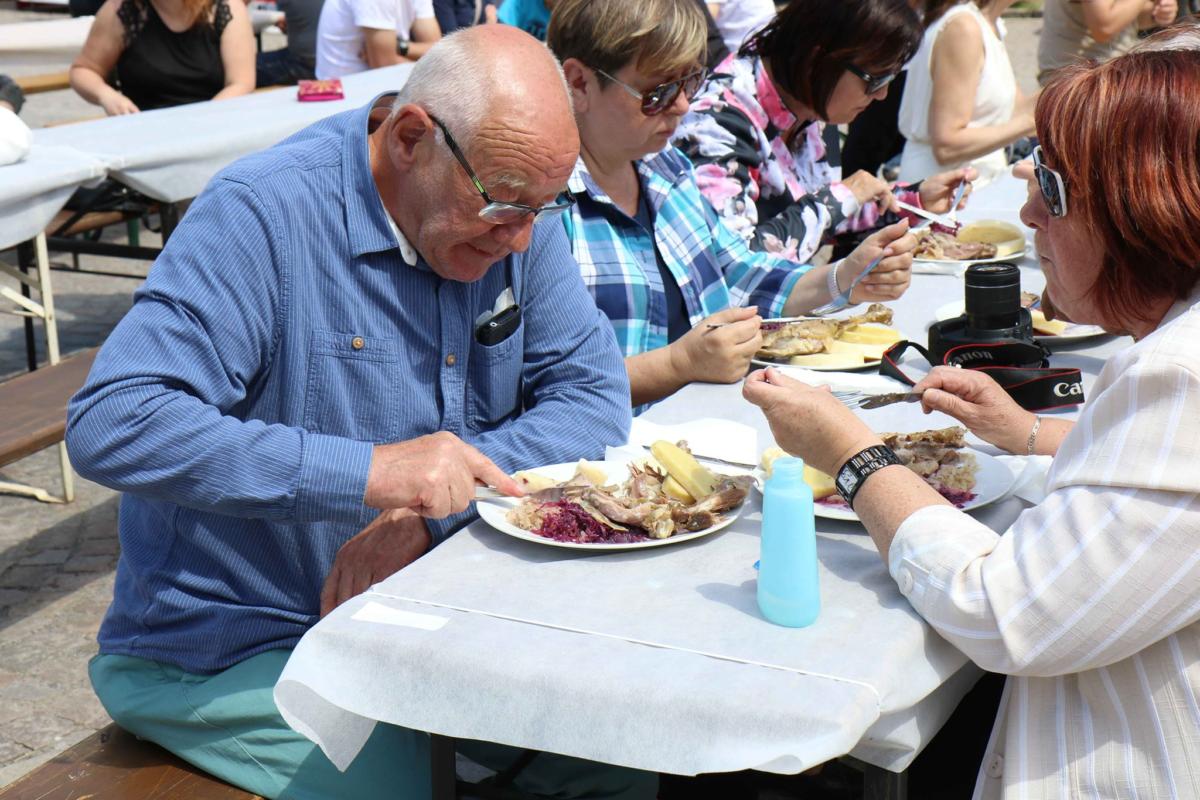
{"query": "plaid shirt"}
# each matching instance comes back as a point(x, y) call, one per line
point(712, 265)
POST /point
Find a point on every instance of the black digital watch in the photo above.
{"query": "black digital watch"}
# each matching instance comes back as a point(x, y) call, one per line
point(852, 474)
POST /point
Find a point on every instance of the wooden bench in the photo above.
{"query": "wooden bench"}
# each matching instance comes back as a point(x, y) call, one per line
point(115, 765)
point(45, 82)
point(35, 413)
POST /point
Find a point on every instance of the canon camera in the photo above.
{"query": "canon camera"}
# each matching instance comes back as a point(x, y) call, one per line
point(994, 328)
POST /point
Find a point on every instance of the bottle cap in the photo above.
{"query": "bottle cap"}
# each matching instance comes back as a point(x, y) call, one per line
point(788, 467)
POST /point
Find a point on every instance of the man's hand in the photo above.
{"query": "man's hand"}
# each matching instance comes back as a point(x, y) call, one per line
point(807, 421)
point(434, 476)
point(393, 541)
point(718, 355)
point(869, 189)
point(938, 190)
point(979, 403)
point(892, 277)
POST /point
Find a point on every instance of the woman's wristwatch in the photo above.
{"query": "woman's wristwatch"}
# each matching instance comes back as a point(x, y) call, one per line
point(852, 474)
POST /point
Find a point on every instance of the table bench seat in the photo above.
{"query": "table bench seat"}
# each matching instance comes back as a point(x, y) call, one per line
point(35, 406)
point(115, 765)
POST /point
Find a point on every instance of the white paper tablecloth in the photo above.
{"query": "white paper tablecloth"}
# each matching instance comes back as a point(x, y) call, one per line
point(33, 190)
point(657, 659)
point(45, 36)
point(170, 154)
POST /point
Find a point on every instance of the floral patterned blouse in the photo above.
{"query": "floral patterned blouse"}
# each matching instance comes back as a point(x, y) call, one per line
point(778, 198)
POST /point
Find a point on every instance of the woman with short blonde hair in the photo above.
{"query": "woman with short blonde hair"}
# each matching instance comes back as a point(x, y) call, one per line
point(684, 294)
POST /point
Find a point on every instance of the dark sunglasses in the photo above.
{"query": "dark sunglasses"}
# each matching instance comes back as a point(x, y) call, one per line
point(495, 211)
point(1054, 189)
point(659, 99)
point(874, 82)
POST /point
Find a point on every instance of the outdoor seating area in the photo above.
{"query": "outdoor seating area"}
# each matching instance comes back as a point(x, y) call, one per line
point(599, 399)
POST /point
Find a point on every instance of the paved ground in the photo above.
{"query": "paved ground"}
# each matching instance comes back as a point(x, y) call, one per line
point(56, 562)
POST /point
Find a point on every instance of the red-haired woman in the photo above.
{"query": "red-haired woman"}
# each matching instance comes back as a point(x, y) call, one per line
point(1090, 601)
point(165, 53)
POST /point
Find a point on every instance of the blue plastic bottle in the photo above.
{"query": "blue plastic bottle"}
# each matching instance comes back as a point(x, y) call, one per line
point(788, 592)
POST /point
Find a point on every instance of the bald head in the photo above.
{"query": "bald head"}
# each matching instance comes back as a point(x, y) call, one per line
point(490, 75)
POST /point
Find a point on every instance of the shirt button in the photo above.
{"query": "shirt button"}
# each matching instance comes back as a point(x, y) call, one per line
point(995, 766)
point(905, 579)
point(357, 343)
point(451, 360)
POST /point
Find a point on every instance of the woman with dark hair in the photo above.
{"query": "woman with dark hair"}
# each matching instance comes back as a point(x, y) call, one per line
point(962, 105)
point(165, 53)
point(1088, 602)
point(754, 131)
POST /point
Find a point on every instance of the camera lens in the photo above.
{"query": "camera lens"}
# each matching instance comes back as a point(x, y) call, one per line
point(993, 296)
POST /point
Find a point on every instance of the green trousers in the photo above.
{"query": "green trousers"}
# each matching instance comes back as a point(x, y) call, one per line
point(227, 725)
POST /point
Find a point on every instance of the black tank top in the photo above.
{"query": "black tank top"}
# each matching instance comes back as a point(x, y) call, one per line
point(159, 67)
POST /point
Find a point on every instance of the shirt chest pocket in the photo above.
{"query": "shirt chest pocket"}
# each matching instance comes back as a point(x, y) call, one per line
point(494, 381)
point(353, 386)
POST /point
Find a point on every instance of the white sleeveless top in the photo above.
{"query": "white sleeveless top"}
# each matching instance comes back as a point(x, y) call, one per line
point(994, 98)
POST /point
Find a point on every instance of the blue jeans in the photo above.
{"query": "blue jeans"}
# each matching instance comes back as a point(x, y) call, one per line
point(227, 725)
point(281, 68)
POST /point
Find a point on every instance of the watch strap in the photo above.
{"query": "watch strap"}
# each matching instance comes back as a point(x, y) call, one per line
point(854, 472)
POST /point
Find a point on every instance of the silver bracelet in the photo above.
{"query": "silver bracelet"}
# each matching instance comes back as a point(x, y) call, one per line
point(1032, 440)
point(831, 280)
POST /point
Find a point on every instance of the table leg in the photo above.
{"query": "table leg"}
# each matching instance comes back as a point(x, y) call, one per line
point(882, 784)
point(25, 256)
point(442, 767)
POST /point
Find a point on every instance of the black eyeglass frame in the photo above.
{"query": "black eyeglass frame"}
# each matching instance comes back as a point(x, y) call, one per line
point(1050, 181)
point(659, 98)
point(874, 82)
point(498, 211)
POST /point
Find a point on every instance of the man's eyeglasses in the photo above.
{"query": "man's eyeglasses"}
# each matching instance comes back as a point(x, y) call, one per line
point(659, 99)
point(1054, 189)
point(495, 211)
point(874, 82)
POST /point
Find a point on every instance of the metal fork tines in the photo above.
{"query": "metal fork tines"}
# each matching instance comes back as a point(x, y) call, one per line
point(864, 401)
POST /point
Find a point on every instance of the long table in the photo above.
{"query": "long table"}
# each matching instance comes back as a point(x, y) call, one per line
point(655, 659)
point(170, 154)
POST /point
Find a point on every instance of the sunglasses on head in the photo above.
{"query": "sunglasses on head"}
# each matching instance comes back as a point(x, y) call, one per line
point(659, 99)
point(874, 82)
point(1054, 189)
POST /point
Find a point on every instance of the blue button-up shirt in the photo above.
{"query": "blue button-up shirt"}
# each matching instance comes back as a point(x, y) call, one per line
point(281, 335)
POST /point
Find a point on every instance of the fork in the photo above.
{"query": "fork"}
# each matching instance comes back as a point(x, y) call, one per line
point(551, 494)
point(843, 299)
point(958, 196)
point(865, 401)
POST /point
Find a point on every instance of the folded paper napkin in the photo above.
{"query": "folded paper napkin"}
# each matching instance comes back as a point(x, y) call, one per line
point(1029, 473)
point(957, 268)
point(716, 438)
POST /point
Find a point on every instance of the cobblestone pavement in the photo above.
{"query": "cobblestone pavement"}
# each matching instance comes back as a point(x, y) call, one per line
point(56, 562)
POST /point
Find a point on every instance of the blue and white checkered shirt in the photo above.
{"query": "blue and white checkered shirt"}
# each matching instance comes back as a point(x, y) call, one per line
point(712, 265)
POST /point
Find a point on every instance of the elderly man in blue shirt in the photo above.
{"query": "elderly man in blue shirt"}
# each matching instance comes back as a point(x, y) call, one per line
point(346, 333)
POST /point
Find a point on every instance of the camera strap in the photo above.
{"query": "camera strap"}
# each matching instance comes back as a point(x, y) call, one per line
point(1034, 388)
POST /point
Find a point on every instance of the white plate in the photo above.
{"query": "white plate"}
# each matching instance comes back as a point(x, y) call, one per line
point(494, 514)
point(1073, 332)
point(762, 362)
point(992, 482)
point(966, 262)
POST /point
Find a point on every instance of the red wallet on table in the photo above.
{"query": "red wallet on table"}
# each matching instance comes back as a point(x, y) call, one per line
point(311, 91)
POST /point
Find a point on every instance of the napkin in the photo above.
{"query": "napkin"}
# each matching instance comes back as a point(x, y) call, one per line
point(709, 436)
point(939, 268)
point(1030, 474)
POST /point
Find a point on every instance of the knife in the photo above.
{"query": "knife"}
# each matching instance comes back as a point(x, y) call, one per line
point(881, 400)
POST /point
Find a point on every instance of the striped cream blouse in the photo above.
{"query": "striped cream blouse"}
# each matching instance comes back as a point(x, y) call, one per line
point(1091, 600)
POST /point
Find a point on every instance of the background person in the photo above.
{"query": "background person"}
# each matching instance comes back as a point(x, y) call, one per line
point(655, 256)
point(454, 14)
point(298, 61)
point(755, 131)
point(298, 405)
point(165, 53)
point(1088, 601)
point(737, 19)
point(15, 137)
point(961, 102)
point(357, 35)
point(1077, 30)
